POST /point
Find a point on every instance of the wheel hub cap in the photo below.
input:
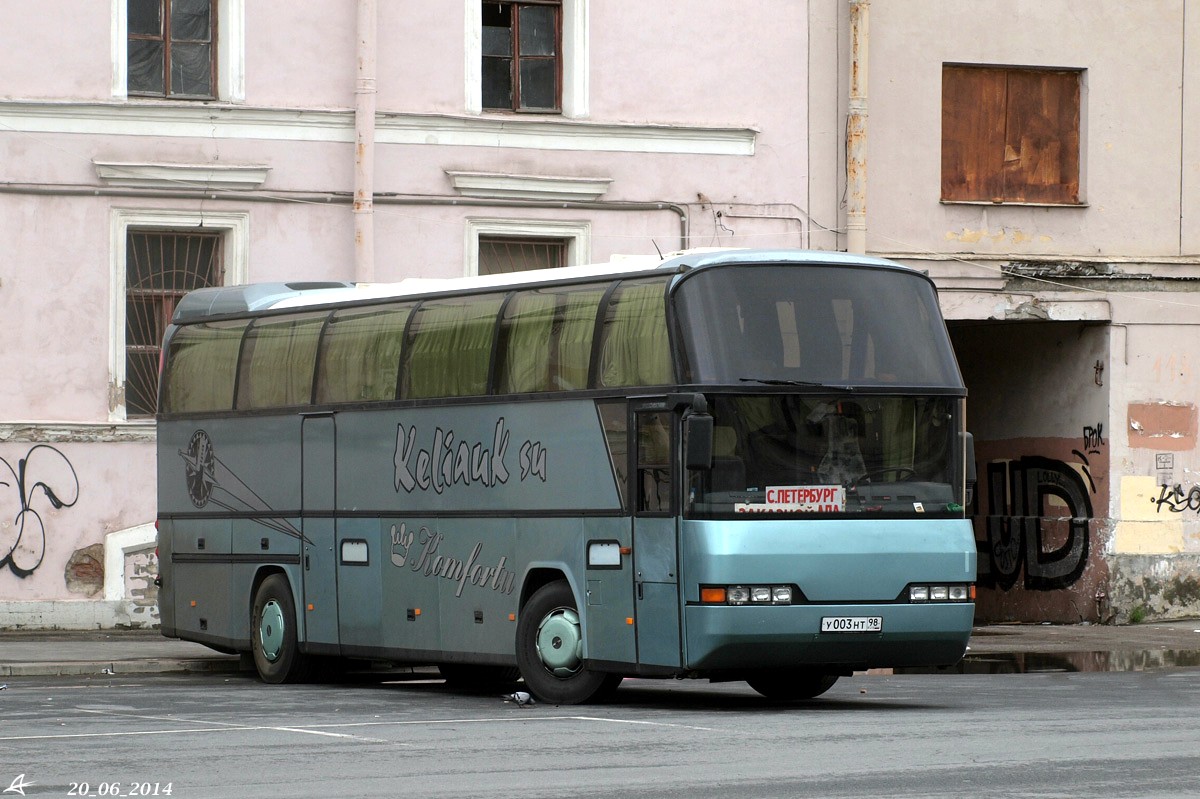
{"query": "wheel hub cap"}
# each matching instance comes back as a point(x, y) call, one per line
point(270, 630)
point(560, 642)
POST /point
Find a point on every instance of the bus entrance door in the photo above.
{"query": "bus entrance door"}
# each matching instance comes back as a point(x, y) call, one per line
point(655, 536)
point(318, 502)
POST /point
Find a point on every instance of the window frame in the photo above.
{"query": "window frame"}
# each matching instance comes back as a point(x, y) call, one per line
point(556, 244)
point(229, 44)
point(516, 58)
point(156, 306)
point(235, 267)
point(578, 237)
point(574, 58)
point(995, 132)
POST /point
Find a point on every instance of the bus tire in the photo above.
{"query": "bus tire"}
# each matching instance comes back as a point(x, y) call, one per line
point(549, 649)
point(791, 684)
point(277, 656)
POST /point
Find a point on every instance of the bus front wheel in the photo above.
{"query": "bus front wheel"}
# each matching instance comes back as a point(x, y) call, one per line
point(550, 650)
point(277, 655)
point(791, 685)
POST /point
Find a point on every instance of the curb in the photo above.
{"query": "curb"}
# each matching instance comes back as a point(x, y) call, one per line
point(109, 668)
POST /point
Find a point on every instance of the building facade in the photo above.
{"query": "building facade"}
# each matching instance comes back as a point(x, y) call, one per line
point(1041, 161)
point(1035, 158)
point(153, 146)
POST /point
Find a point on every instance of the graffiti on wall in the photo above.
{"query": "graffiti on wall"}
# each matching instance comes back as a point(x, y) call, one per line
point(43, 480)
point(1038, 519)
point(1176, 500)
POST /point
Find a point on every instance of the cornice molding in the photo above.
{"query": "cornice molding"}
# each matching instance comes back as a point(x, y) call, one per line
point(490, 185)
point(172, 176)
point(226, 121)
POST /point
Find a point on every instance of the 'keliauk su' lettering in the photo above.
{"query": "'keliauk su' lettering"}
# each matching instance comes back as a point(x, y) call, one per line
point(444, 463)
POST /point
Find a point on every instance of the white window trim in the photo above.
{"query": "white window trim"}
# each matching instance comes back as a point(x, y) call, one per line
point(231, 50)
point(519, 131)
point(118, 546)
point(575, 58)
point(235, 249)
point(577, 234)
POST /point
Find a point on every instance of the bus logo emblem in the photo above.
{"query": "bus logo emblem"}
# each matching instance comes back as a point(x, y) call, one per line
point(200, 466)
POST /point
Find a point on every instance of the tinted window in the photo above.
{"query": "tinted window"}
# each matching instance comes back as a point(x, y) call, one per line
point(201, 367)
point(547, 343)
point(450, 347)
point(813, 324)
point(278, 362)
point(634, 350)
point(360, 355)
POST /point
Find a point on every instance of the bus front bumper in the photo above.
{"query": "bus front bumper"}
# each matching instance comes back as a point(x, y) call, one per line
point(734, 638)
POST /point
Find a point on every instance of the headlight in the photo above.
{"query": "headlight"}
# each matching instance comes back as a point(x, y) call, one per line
point(941, 593)
point(747, 595)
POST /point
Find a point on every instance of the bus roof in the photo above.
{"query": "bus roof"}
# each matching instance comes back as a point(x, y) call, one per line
point(233, 300)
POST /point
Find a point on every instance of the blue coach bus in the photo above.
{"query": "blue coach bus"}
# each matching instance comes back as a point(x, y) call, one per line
point(731, 465)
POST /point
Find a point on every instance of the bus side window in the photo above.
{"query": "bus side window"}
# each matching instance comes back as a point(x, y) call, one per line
point(525, 354)
point(278, 362)
point(360, 355)
point(614, 418)
point(546, 340)
point(201, 367)
point(634, 350)
point(450, 347)
point(654, 462)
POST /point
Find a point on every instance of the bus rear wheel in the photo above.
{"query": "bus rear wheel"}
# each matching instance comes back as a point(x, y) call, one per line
point(550, 650)
point(791, 684)
point(277, 656)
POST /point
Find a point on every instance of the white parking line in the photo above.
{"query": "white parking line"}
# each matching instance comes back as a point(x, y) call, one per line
point(322, 729)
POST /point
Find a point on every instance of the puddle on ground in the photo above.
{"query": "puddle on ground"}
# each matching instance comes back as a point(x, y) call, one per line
point(1061, 662)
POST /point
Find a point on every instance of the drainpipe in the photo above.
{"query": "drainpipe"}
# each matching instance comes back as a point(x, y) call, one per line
point(856, 129)
point(364, 145)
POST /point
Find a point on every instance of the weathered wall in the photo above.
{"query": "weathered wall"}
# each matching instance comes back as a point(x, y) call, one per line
point(1155, 553)
point(1038, 411)
point(59, 499)
point(1125, 257)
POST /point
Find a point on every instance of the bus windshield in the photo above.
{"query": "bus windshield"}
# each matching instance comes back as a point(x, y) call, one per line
point(813, 325)
point(829, 454)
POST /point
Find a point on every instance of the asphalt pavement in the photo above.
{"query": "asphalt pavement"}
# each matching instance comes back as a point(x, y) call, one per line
point(993, 648)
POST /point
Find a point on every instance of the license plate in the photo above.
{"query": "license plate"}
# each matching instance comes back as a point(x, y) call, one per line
point(852, 624)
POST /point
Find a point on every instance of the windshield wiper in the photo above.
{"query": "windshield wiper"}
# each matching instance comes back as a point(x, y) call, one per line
point(772, 381)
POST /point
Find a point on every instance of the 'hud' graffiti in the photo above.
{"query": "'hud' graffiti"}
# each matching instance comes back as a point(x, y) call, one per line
point(1029, 500)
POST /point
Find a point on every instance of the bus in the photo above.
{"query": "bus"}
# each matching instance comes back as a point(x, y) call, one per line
point(725, 464)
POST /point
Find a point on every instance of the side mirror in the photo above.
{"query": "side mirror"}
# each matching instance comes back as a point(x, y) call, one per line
point(698, 441)
point(972, 474)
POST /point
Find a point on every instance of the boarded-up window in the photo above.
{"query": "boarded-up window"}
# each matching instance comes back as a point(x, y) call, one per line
point(1010, 134)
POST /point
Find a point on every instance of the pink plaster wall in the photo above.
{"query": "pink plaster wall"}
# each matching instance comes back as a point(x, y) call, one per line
point(98, 490)
point(51, 50)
